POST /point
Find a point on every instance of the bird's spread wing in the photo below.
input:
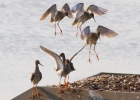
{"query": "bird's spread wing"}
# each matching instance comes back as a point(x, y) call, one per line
point(76, 53)
point(66, 8)
point(52, 10)
point(106, 32)
point(96, 10)
point(78, 9)
point(85, 33)
point(32, 77)
point(56, 58)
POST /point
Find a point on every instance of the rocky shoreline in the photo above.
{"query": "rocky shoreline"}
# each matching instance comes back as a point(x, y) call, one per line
point(109, 82)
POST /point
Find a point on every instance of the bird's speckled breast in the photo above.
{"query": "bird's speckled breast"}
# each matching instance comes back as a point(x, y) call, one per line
point(36, 78)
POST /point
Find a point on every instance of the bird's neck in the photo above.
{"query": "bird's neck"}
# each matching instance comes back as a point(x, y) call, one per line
point(36, 68)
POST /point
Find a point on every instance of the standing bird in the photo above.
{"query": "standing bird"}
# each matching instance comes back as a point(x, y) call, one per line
point(63, 66)
point(57, 16)
point(82, 16)
point(65, 61)
point(92, 37)
point(35, 78)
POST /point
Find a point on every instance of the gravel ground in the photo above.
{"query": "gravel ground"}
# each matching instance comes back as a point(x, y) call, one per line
point(109, 82)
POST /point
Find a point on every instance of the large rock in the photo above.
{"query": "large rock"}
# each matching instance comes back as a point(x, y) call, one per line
point(110, 86)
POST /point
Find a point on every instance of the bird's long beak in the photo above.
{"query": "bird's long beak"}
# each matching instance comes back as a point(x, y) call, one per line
point(94, 19)
point(99, 36)
point(40, 64)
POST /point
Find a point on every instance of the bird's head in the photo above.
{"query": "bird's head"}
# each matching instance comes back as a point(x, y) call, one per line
point(62, 55)
point(92, 16)
point(38, 62)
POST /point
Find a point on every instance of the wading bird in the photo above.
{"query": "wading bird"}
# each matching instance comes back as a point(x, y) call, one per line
point(35, 78)
point(57, 16)
point(63, 66)
point(82, 16)
point(92, 37)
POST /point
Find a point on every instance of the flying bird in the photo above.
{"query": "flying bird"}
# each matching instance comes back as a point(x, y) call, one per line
point(92, 37)
point(35, 78)
point(57, 16)
point(82, 15)
point(63, 66)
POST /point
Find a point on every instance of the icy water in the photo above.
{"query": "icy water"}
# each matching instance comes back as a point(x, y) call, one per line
point(21, 34)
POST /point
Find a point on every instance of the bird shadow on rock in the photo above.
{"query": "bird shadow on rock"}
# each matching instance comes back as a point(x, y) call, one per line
point(49, 96)
point(39, 97)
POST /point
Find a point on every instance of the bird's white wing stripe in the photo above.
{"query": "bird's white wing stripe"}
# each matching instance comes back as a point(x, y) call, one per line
point(54, 56)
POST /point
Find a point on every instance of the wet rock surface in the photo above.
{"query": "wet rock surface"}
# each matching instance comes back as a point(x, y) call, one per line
point(109, 82)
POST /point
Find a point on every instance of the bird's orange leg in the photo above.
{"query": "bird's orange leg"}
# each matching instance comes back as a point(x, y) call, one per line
point(37, 93)
point(55, 29)
point(32, 96)
point(66, 84)
point(77, 30)
point(89, 55)
point(68, 79)
point(60, 29)
point(59, 87)
point(96, 53)
point(89, 58)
